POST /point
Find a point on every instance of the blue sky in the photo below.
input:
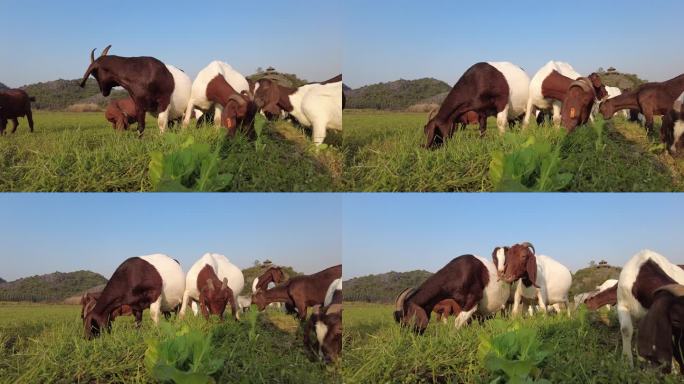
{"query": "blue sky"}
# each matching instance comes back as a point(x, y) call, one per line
point(43, 233)
point(402, 232)
point(47, 40)
point(387, 40)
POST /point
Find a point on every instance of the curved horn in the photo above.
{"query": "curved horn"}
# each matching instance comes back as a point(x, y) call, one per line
point(529, 245)
point(92, 56)
point(432, 112)
point(238, 99)
point(106, 50)
point(674, 289)
point(402, 297)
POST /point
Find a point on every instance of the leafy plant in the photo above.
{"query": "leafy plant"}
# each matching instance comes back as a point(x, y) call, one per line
point(512, 353)
point(182, 356)
point(193, 167)
point(534, 166)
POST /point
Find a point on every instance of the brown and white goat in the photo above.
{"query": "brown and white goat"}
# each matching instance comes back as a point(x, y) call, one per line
point(640, 278)
point(238, 109)
point(672, 129)
point(494, 88)
point(605, 295)
point(661, 331)
point(273, 275)
point(121, 113)
point(579, 100)
point(15, 103)
point(303, 291)
point(468, 280)
point(214, 294)
point(154, 281)
point(326, 320)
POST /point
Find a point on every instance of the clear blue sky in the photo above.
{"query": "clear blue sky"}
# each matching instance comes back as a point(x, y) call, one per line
point(403, 232)
point(46, 40)
point(387, 40)
point(43, 233)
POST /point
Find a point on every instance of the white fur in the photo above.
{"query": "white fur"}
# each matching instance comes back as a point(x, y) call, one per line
point(500, 259)
point(606, 285)
point(254, 284)
point(678, 131)
point(198, 96)
point(334, 286)
point(179, 98)
point(518, 88)
point(244, 302)
point(223, 269)
point(536, 101)
point(321, 332)
point(318, 106)
point(554, 280)
point(173, 284)
point(628, 307)
point(496, 293)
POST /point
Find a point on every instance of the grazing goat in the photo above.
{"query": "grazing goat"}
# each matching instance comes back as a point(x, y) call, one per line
point(273, 275)
point(223, 272)
point(548, 88)
point(303, 291)
point(316, 105)
point(89, 299)
point(469, 280)
point(606, 294)
point(15, 103)
point(238, 109)
point(495, 88)
point(673, 127)
point(661, 331)
point(154, 87)
point(539, 276)
point(214, 294)
point(639, 279)
point(199, 96)
point(155, 281)
point(121, 113)
point(446, 308)
point(244, 302)
point(650, 99)
point(579, 100)
point(326, 320)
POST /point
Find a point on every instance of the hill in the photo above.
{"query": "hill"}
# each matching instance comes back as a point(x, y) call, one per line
point(3, 86)
point(615, 78)
point(586, 279)
point(2, 280)
point(252, 272)
point(55, 286)
point(395, 95)
point(59, 94)
point(289, 80)
point(382, 288)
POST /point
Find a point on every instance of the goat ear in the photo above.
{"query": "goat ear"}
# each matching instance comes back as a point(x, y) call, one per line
point(210, 284)
point(532, 269)
point(655, 331)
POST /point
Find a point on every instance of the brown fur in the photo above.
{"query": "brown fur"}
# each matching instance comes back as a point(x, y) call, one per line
point(272, 275)
point(238, 109)
point(606, 297)
point(121, 113)
point(214, 294)
point(272, 98)
point(446, 308)
point(649, 278)
point(579, 99)
point(331, 316)
point(521, 263)
point(661, 331)
point(147, 80)
point(303, 291)
point(651, 99)
point(667, 128)
point(463, 280)
point(481, 89)
point(15, 103)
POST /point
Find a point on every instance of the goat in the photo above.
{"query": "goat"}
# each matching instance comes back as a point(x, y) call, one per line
point(327, 322)
point(121, 113)
point(606, 294)
point(15, 103)
point(303, 291)
point(661, 331)
point(547, 89)
point(155, 281)
point(539, 276)
point(446, 308)
point(579, 100)
point(494, 88)
point(672, 128)
point(469, 280)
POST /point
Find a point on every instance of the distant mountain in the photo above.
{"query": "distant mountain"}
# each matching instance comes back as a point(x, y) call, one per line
point(395, 95)
point(345, 88)
point(382, 288)
point(289, 80)
point(615, 78)
point(586, 279)
point(51, 287)
point(3, 87)
point(60, 94)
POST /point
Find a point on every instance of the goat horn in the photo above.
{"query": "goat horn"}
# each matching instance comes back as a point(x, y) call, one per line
point(529, 245)
point(430, 115)
point(402, 297)
point(238, 99)
point(674, 289)
point(92, 56)
point(106, 50)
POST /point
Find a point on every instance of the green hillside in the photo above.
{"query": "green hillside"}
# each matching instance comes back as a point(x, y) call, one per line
point(382, 288)
point(55, 286)
point(615, 78)
point(59, 94)
point(289, 80)
point(395, 95)
point(586, 279)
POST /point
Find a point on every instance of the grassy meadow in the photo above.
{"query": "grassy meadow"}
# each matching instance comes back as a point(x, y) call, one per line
point(41, 343)
point(383, 153)
point(81, 152)
point(583, 348)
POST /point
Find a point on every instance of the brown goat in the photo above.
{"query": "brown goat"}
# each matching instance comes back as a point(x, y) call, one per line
point(15, 103)
point(579, 100)
point(326, 321)
point(303, 291)
point(121, 113)
point(651, 99)
point(661, 331)
point(147, 80)
point(238, 109)
point(89, 299)
point(446, 308)
point(606, 297)
point(271, 275)
point(214, 294)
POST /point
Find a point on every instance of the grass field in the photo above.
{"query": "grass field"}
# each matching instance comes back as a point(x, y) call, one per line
point(383, 153)
point(81, 152)
point(42, 343)
point(584, 348)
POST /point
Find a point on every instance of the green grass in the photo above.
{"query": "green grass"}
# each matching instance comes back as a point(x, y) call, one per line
point(383, 153)
point(41, 343)
point(81, 152)
point(583, 349)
